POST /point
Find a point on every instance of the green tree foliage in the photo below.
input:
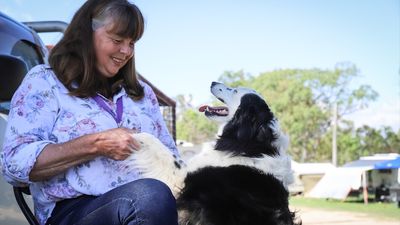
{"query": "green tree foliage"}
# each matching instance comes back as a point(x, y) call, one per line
point(195, 127)
point(293, 102)
point(377, 141)
point(236, 79)
point(303, 100)
point(348, 145)
point(192, 125)
point(182, 104)
point(392, 140)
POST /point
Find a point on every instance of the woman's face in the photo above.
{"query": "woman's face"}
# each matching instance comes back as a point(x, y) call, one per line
point(112, 51)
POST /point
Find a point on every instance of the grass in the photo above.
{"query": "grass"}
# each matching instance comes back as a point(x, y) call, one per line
point(374, 209)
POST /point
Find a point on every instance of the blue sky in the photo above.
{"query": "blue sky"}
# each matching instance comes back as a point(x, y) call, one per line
point(187, 44)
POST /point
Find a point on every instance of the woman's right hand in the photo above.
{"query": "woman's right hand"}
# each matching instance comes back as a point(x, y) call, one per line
point(117, 143)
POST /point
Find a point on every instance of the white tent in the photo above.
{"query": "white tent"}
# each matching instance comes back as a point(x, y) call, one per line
point(338, 182)
point(311, 168)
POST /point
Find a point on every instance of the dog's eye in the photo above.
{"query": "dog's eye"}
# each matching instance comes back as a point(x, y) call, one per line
point(235, 91)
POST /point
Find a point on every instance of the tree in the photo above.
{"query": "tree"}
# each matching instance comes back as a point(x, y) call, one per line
point(191, 125)
point(183, 103)
point(392, 140)
point(236, 79)
point(195, 127)
point(303, 98)
point(378, 140)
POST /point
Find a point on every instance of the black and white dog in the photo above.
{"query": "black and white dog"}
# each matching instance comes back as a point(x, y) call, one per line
point(243, 180)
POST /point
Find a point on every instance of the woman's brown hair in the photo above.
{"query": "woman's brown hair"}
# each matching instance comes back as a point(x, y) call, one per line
point(73, 58)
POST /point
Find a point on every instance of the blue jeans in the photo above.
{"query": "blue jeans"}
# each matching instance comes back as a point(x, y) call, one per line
point(144, 201)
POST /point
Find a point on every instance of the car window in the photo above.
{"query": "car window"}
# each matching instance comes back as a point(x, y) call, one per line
point(13, 44)
point(27, 53)
point(10, 45)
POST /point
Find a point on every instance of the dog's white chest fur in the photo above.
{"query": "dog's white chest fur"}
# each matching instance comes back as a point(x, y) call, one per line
point(155, 160)
point(279, 166)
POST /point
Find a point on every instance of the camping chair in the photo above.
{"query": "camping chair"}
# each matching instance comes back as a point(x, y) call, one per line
point(12, 71)
point(18, 193)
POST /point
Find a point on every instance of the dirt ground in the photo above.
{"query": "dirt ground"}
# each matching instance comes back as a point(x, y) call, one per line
point(311, 216)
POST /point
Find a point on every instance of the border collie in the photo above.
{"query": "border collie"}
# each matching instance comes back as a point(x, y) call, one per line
point(243, 180)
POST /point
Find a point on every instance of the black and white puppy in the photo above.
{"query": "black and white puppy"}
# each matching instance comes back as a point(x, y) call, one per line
point(243, 180)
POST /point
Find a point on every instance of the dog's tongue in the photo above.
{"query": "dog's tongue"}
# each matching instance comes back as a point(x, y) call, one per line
point(216, 110)
point(203, 108)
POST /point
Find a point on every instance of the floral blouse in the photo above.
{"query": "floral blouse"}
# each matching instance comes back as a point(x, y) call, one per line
point(42, 113)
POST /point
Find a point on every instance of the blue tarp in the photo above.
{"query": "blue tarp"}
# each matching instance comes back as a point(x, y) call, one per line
point(389, 164)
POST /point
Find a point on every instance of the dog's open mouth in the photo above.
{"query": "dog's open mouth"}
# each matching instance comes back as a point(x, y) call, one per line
point(214, 111)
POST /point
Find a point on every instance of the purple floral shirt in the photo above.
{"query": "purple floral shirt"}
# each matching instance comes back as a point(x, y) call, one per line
point(42, 113)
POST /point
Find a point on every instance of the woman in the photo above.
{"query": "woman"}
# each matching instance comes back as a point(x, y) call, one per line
point(71, 121)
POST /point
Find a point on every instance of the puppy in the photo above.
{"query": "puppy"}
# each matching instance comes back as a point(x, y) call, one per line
point(242, 180)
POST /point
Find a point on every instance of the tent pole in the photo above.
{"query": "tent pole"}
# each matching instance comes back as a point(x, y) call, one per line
point(364, 184)
point(334, 134)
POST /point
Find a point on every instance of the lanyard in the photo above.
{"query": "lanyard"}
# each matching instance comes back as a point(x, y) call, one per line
point(102, 103)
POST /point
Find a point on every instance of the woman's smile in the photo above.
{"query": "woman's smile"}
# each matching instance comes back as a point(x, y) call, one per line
point(112, 51)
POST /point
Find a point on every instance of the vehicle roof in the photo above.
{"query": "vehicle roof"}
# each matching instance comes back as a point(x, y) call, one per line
point(10, 25)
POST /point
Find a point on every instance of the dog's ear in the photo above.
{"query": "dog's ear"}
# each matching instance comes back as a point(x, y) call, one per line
point(244, 118)
point(251, 119)
point(244, 131)
point(243, 122)
point(264, 133)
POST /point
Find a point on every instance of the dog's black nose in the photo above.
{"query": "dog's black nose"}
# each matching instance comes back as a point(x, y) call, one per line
point(214, 83)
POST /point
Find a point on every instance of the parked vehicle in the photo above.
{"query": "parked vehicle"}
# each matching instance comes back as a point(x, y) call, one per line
point(20, 41)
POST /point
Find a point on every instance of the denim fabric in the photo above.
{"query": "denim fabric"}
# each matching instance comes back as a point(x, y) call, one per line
point(140, 202)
